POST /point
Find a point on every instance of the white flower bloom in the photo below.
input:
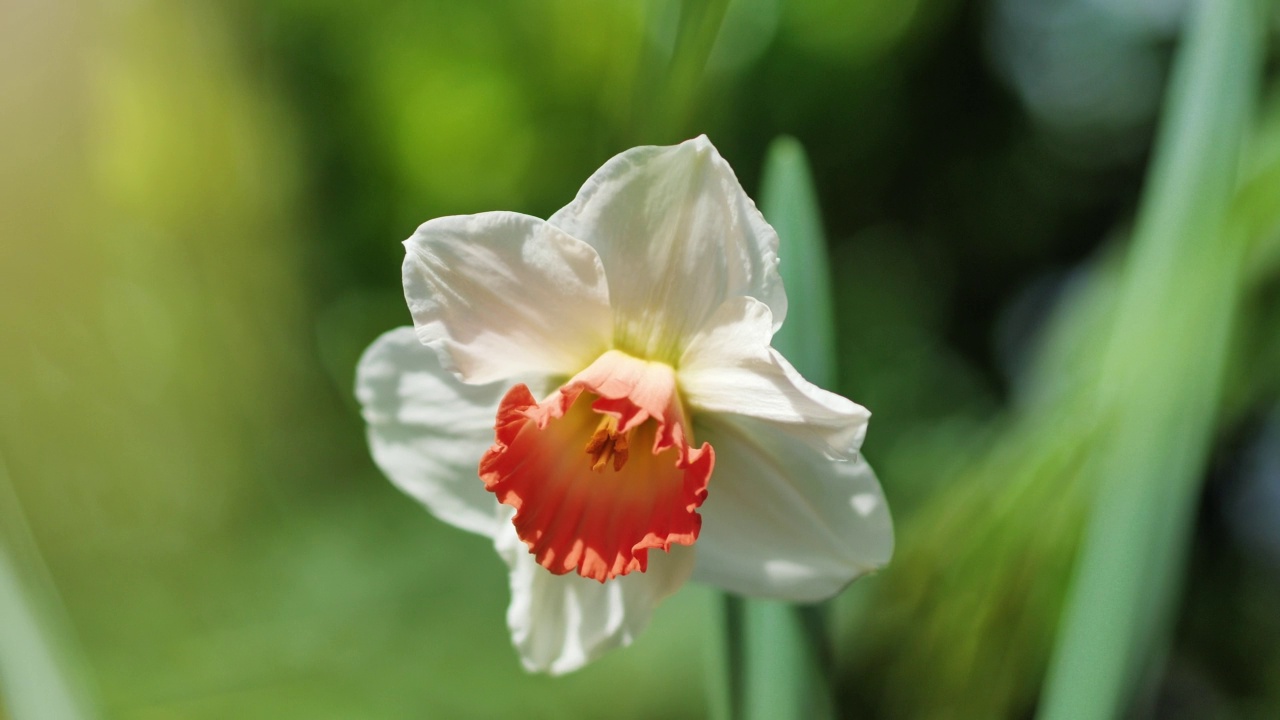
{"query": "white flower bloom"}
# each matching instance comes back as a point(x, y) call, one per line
point(640, 314)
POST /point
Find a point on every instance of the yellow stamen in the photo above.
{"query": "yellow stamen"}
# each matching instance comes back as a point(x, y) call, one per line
point(608, 444)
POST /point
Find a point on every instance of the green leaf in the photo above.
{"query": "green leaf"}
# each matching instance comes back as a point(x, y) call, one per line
point(666, 106)
point(1162, 374)
point(36, 678)
point(789, 202)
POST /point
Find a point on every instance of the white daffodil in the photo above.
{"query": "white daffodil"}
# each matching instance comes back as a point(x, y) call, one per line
point(596, 392)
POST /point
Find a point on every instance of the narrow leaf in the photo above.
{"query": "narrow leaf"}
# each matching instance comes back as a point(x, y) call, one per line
point(1162, 374)
point(37, 681)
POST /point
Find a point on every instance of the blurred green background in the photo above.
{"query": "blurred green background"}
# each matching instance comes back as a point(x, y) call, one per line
point(201, 206)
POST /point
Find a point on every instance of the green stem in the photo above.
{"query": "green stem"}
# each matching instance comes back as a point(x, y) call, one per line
point(727, 668)
point(786, 670)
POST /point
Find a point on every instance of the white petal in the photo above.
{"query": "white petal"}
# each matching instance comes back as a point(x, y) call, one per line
point(677, 236)
point(561, 622)
point(783, 522)
point(427, 431)
point(728, 367)
point(503, 294)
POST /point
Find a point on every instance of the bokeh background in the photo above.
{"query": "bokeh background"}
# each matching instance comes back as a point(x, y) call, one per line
point(201, 206)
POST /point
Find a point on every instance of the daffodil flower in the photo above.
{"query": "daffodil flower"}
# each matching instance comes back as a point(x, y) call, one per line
point(597, 393)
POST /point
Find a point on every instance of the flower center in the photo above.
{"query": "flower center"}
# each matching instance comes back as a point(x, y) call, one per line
point(608, 444)
point(574, 516)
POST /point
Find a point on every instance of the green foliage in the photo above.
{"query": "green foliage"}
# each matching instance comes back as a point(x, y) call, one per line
point(1160, 389)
